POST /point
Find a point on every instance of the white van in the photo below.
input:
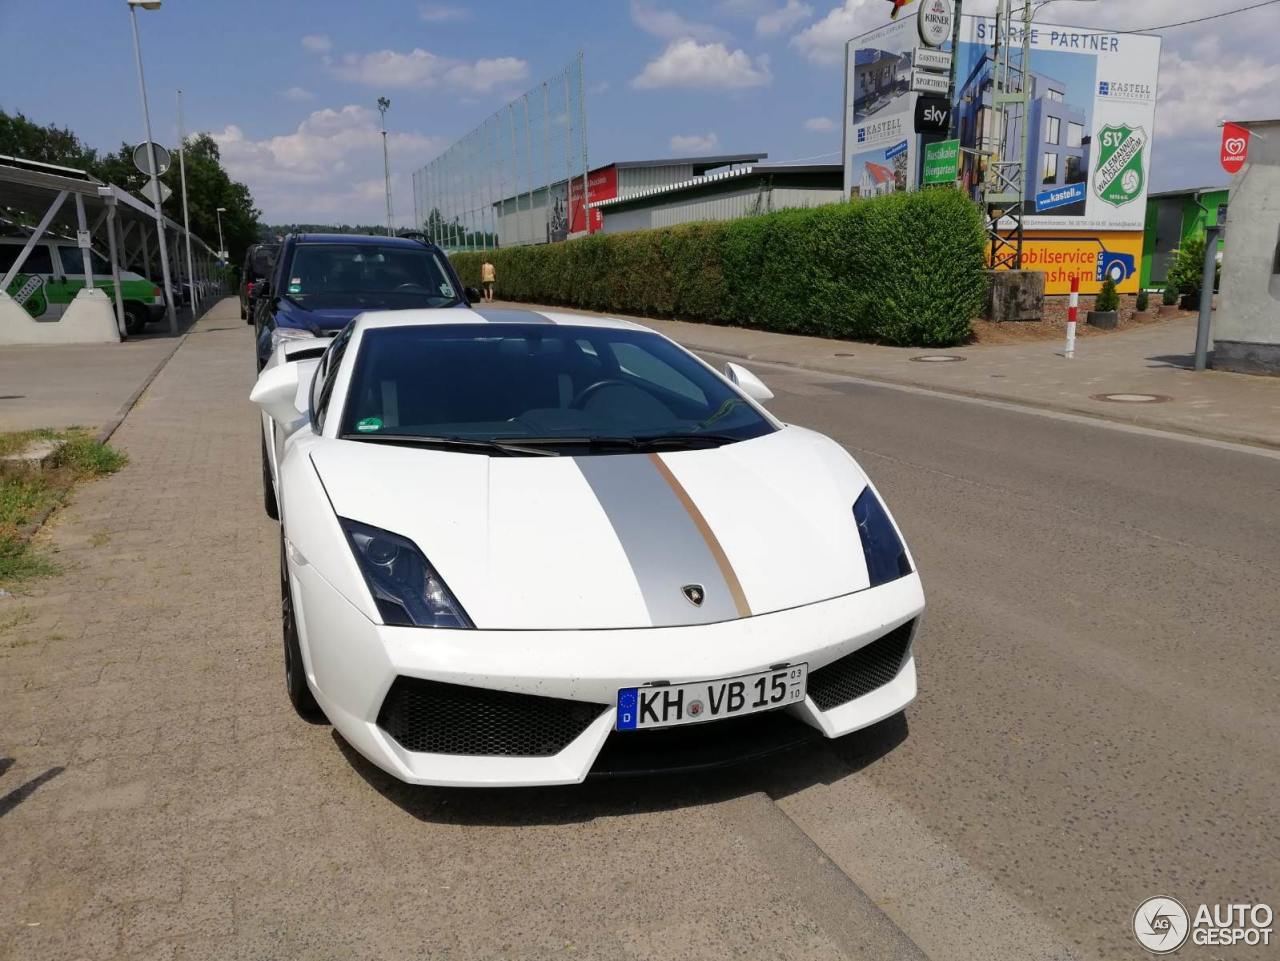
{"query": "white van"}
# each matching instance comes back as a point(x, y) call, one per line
point(54, 272)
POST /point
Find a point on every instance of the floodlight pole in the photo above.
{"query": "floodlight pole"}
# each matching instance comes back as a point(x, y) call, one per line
point(383, 105)
point(186, 216)
point(155, 167)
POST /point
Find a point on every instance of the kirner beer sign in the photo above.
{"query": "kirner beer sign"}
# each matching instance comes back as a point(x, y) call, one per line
point(934, 22)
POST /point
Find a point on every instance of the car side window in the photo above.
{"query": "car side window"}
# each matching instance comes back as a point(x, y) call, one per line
point(38, 262)
point(326, 374)
point(72, 261)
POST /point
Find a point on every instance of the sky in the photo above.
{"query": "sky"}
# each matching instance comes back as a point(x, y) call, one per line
point(288, 87)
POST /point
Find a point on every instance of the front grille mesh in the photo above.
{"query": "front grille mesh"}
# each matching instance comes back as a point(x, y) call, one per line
point(861, 672)
point(452, 719)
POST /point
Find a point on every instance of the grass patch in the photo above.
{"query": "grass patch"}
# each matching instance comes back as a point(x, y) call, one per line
point(27, 493)
point(85, 456)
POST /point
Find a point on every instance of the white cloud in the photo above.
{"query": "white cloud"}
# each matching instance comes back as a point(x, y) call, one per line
point(420, 68)
point(820, 124)
point(317, 43)
point(695, 142)
point(783, 18)
point(483, 75)
point(327, 168)
point(297, 94)
point(823, 42)
point(711, 66)
point(669, 25)
point(443, 13)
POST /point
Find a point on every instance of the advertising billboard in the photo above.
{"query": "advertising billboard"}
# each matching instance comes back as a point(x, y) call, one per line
point(1088, 256)
point(880, 144)
point(602, 184)
point(1089, 124)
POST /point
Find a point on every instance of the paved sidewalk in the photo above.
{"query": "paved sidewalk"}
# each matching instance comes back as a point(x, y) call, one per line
point(159, 800)
point(81, 385)
point(1153, 359)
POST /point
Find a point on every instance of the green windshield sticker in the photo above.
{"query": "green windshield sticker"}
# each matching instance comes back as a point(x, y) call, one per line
point(369, 424)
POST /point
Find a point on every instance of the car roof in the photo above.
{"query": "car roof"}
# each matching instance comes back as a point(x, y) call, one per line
point(355, 239)
point(423, 317)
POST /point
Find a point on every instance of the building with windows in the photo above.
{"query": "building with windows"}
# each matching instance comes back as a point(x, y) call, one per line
point(876, 180)
point(1058, 144)
point(878, 75)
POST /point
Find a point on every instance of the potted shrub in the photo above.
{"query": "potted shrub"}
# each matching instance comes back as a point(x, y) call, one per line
point(1168, 300)
point(1105, 307)
point(1140, 306)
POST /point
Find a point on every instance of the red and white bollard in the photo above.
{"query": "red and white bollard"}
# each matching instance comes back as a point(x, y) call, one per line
point(1070, 352)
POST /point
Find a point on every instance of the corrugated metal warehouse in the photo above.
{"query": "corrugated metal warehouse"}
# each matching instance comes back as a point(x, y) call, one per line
point(554, 212)
point(724, 195)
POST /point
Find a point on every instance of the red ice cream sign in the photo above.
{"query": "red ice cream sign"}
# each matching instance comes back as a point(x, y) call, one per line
point(1235, 146)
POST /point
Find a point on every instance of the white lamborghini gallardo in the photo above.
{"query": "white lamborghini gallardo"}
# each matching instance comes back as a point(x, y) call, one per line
point(518, 548)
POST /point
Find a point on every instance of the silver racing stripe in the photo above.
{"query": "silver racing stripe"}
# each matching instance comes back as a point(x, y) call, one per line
point(510, 315)
point(663, 543)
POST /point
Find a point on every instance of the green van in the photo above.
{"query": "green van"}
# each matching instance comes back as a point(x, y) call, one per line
point(54, 273)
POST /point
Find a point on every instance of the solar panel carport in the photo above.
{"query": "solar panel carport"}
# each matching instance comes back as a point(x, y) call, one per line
point(69, 201)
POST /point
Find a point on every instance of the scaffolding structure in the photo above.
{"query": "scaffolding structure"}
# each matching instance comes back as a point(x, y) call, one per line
point(1003, 189)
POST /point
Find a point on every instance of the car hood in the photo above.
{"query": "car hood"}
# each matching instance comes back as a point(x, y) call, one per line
point(291, 314)
point(617, 541)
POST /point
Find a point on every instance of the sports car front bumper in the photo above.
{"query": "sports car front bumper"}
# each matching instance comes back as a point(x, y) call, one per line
point(352, 665)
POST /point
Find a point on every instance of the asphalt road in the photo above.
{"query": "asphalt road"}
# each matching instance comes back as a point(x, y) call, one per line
point(1097, 720)
point(1096, 724)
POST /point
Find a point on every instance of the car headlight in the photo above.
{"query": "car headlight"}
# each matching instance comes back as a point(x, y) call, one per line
point(280, 334)
point(406, 588)
point(886, 557)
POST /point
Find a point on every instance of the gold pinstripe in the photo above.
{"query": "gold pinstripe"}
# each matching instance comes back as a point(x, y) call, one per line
point(713, 544)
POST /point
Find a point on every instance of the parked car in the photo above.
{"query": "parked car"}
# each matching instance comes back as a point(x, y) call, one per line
point(321, 281)
point(259, 259)
point(518, 548)
point(54, 273)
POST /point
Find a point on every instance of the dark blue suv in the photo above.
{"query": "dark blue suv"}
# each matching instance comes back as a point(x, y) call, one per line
point(321, 281)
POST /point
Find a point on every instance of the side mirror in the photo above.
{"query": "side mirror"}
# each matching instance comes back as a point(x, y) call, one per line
point(751, 385)
point(473, 294)
point(276, 393)
point(262, 288)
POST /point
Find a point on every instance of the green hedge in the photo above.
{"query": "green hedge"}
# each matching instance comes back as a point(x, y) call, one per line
point(902, 269)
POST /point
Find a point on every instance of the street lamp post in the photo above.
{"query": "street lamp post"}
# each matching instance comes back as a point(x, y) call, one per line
point(222, 249)
point(383, 105)
point(151, 149)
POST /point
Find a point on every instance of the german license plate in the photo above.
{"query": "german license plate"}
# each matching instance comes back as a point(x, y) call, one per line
point(665, 705)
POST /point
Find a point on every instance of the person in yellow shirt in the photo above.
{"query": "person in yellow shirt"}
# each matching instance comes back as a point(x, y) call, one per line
point(488, 276)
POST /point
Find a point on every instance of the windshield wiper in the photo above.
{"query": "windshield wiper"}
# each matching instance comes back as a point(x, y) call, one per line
point(461, 443)
point(657, 442)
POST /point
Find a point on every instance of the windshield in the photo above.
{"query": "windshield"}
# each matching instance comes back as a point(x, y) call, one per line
point(367, 275)
point(566, 389)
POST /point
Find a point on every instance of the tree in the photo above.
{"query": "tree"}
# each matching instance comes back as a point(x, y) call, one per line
point(20, 137)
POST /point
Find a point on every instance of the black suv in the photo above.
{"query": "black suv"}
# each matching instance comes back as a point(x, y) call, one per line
point(321, 281)
point(258, 262)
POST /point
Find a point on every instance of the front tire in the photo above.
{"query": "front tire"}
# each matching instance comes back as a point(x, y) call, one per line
point(295, 674)
point(268, 489)
point(135, 319)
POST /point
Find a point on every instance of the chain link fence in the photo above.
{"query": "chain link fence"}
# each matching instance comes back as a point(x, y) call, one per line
point(518, 178)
